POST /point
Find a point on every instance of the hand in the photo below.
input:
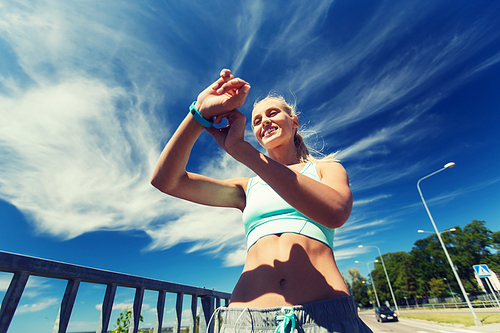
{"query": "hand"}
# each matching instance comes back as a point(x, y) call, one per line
point(228, 137)
point(224, 95)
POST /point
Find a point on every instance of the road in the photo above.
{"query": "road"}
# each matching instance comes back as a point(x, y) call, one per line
point(407, 326)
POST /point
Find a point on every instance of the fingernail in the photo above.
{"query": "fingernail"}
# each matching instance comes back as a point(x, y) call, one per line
point(220, 91)
point(246, 89)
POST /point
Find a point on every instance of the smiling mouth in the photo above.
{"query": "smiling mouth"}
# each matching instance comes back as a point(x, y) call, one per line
point(269, 131)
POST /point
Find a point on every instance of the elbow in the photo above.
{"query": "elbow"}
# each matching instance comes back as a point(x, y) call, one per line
point(154, 182)
point(336, 220)
point(161, 184)
point(340, 215)
point(342, 218)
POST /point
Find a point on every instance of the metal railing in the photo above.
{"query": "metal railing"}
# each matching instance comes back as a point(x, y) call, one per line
point(24, 266)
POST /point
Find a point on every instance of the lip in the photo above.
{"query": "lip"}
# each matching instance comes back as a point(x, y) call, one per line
point(264, 135)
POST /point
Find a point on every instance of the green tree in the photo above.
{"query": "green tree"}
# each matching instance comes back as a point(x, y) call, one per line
point(123, 321)
point(472, 246)
point(496, 240)
point(437, 288)
point(359, 287)
point(410, 273)
point(346, 281)
point(404, 284)
point(400, 274)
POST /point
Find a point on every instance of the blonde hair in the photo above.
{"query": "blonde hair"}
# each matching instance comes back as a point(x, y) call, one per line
point(302, 150)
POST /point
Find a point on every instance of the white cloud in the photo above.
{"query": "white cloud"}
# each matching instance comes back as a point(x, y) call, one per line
point(79, 144)
point(72, 163)
point(39, 306)
point(248, 23)
point(5, 281)
point(236, 257)
point(79, 139)
point(301, 18)
point(366, 201)
point(186, 317)
point(124, 305)
point(346, 254)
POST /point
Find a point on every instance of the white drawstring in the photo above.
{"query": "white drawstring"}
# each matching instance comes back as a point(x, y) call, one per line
point(213, 314)
point(241, 314)
point(218, 309)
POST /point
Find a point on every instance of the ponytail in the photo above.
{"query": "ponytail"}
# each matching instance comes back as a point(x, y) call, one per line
point(302, 152)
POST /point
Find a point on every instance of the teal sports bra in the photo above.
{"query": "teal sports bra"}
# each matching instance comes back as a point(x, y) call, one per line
point(266, 213)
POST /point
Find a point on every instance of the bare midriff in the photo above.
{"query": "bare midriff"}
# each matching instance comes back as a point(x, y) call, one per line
point(287, 269)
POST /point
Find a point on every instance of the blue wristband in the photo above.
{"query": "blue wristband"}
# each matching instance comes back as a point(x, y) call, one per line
point(199, 118)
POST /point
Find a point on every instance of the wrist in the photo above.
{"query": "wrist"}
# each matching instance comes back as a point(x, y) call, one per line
point(201, 110)
point(194, 111)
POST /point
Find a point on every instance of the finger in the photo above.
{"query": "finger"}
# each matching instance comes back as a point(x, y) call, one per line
point(218, 119)
point(225, 76)
point(225, 73)
point(236, 83)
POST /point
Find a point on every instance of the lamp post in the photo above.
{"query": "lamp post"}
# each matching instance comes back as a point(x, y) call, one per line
point(386, 275)
point(373, 282)
point(442, 232)
point(447, 165)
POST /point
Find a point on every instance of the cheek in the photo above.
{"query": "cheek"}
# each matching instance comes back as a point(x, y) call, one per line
point(255, 130)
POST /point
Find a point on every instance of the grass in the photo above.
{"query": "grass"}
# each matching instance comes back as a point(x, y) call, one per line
point(454, 318)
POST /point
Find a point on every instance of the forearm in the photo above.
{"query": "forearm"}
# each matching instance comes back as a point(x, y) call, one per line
point(320, 202)
point(171, 165)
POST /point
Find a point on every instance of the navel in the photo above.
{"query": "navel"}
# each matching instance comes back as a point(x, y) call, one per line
point(282, 283)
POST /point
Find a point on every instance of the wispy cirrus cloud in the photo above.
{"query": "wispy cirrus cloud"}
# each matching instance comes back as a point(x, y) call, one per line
point(248, 22)
point(90, 88)
point(123, 305)
point(42, 304)
point(5, 281)
point(370, 200)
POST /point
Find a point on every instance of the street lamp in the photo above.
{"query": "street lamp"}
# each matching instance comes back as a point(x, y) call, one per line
point(386, 275)
point(442, 232)
point(373, 282)
point(447, 165)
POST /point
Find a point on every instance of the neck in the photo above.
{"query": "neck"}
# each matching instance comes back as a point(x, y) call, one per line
point(284, 155)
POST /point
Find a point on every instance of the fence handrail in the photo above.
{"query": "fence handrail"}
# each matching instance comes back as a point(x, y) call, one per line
point(23, 266)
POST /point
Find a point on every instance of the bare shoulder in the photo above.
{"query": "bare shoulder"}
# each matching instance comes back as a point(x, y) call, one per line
point(332, 169)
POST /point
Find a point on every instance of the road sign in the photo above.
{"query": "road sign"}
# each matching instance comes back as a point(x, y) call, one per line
point(482, 270)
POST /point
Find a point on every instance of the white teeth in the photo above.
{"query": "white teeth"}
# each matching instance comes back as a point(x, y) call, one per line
point(269, 130)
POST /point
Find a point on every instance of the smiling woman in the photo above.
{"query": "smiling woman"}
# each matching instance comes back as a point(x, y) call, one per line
point(290, 210)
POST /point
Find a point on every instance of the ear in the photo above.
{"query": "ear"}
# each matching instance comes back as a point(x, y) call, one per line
point(295, 122)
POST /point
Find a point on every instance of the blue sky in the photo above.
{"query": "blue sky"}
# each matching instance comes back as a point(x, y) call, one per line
point(90, 92)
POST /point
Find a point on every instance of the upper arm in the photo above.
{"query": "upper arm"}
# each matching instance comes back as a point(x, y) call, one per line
point(209, 191)
point(334, 175)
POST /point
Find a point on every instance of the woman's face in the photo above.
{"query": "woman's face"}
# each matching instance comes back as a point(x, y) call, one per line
point(272, 125)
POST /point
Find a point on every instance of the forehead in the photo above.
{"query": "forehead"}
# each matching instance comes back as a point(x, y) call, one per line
point(267, 105)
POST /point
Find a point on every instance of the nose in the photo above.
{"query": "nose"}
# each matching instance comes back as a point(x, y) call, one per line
point(265, 120)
